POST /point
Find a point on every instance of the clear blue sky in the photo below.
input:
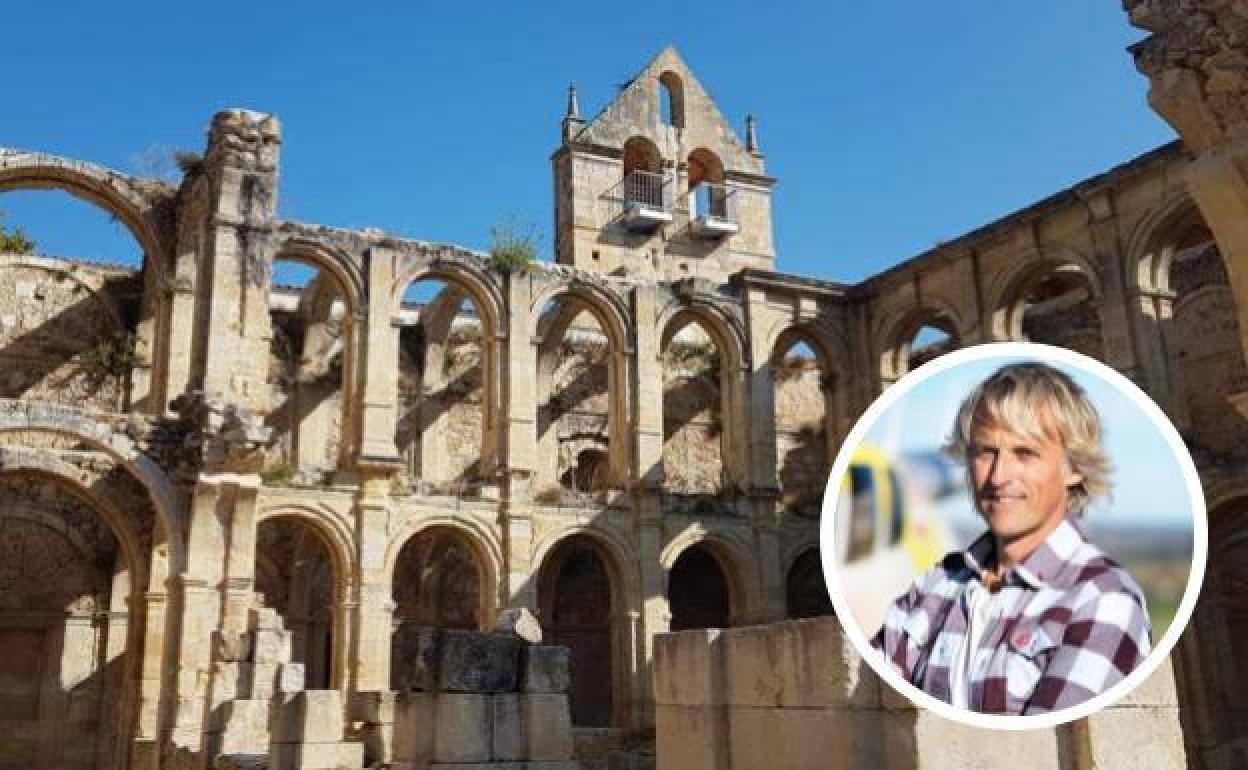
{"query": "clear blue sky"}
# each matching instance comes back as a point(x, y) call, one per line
point(889, 127)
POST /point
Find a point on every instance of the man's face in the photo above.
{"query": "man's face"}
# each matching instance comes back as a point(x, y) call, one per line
point(1020, 483)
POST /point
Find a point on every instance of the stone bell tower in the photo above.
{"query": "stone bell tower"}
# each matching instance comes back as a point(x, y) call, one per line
point(658, 185)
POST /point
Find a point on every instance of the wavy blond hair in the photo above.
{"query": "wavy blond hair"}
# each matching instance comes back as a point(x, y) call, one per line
point(1037, 401)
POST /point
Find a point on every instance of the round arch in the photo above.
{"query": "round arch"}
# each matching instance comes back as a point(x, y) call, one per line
point(333, 530)
point(724, 328)
point(615, 552)
point(65, 422)
point(1148, 259)
point(111, 191)
point(607, 308)
point(470, 278)
point(479, 537)
point(1007, 297)
point(338, 264)
point(739, 569)
point(895, 334)
point(602, 637)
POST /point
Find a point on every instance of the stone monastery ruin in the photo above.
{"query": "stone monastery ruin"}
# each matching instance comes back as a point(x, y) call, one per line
point(249, 524)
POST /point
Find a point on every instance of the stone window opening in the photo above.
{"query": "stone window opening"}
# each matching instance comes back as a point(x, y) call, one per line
point(1060, 308)
point(441, 432)
point(806, 593)
point(671, 96)
point(707, 195)
point(307, 375)
point(698, 591)
point(693, 429)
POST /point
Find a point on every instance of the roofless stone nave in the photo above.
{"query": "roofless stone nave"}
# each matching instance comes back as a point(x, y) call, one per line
point(226, 502)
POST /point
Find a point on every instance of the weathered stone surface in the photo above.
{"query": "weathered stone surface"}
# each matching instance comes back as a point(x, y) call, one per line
point(462, 733)
point(312, 715)
point(479, 663)
point(415, 657)
point(415, 724)
point(546, 669)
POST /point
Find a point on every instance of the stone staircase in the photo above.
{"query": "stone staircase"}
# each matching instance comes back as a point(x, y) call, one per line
point(260, 715)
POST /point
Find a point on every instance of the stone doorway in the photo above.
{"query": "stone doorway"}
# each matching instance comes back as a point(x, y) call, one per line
point(576, 605)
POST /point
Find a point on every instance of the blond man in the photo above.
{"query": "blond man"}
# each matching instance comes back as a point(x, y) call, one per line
point(1031, 617)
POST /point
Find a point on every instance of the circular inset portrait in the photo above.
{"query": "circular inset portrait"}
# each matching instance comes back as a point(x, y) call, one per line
point(1013, 535)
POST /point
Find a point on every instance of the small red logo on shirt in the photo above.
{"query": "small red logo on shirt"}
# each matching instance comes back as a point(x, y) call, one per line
point(1021, 639)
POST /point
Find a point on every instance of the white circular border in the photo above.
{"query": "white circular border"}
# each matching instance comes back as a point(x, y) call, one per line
point(1034, 351)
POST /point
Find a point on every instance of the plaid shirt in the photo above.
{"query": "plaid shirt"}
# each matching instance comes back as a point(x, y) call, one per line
point(1073, 624)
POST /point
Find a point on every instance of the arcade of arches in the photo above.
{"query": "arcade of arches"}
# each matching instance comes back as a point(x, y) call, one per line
point(625, 449)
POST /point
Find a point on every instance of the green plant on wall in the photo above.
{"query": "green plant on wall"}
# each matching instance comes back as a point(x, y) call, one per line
point(14, 241)
point(513, 247)
point(112, 357)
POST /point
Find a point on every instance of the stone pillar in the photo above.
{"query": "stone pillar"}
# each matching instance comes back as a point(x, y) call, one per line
point(1114, 312)
point(762, 389)
point(372, 604)
point(380, 354)
point(240, 554)
point(241, 165)
point(655, 617)
point(519, 413)
point(199, 590)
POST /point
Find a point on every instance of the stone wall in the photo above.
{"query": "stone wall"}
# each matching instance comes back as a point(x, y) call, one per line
point(797, 695)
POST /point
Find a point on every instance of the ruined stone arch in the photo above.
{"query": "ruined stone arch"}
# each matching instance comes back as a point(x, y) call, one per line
point(17, 416)
point(342, 267)
point(470, 277)
point(600, 636)
point(1007, 294)
point(552, 311)
point(607, 307)
point(343, 272)
point(333, 536)
point(103, 645)
point(728, 336)
point(739, 568)
point(139, 207)
point(615, 548)
point(134, 547)
point(335, 533)
point(1150, 245)
point(895, 334)
point(479, 537)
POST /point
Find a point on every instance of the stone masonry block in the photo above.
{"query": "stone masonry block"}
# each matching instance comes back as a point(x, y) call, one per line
point(271, 647)
point(479, 663)
point(548, 723)
point(264, 680)
point(337, 755)
point(510, 729)
point(1136, 736)
point(462, 730)
point(414, 659)
point(546, 669)
point(414, 727)
point(265, 619)
point(232, 646)
point(691, 737)
point(684, 670)
point(244, 727)
point(290, 678)
point(312, 715)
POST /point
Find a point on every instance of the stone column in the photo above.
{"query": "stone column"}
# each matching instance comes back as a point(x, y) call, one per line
point(369, 663)
point(240, 554)
point(654, 617)
point(519, 412)
point(380, 353)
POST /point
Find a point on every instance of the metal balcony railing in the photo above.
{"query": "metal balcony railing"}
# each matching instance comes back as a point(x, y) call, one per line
point(647, 188)
point(645, 199)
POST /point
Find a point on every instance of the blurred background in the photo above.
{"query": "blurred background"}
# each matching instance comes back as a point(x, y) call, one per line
point(904, 504)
